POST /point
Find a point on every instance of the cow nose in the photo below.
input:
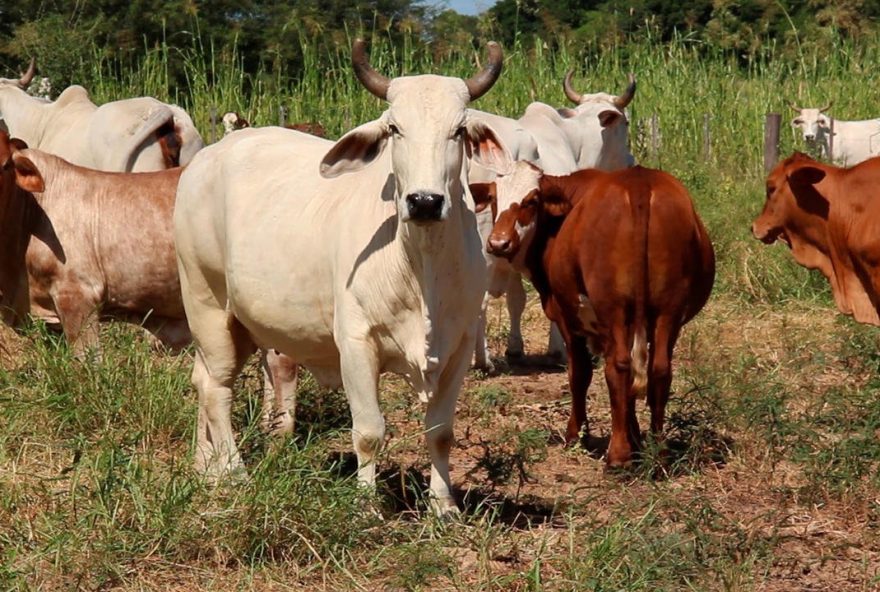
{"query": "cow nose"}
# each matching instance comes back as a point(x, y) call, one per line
point(498, 246)
point(809, 137)
point(424, 206)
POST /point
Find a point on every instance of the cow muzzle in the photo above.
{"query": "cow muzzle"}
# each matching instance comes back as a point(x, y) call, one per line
point(764, 233)
point(424, 206)
point(501, 246)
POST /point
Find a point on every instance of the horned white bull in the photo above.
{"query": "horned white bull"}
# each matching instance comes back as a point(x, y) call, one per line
point(381, 267)
point(139, 134)
point(845, 142)
point(593, 134)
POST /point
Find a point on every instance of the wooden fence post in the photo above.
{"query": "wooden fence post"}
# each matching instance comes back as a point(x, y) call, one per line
point(707, 138)
point(282, 116)
point(655, 136)
point(771, 140)
point(213, 137)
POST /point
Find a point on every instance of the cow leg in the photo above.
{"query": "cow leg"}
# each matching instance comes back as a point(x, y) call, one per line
point(279, 392)
point(580, 374)
point(660, 372)
point(482, 358)
point(78, 313)
point(619, 377)
point(555, 343)
point(439, 419)
point(221, 352)
point(516, 304)
point(360, 379)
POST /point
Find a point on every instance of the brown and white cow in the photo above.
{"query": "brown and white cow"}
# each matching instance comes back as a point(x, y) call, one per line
point(79, 245)
point(621, 261)
point(830, 219)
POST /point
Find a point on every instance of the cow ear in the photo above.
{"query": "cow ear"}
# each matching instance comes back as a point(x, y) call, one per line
point(806, 175)
point(18, 144)
point(802, 181)
point(484, 194)
point(483, 147)
point(356, 149)
point(27, 176)
point(609, 117)
point(555, 204)
point(566, 113)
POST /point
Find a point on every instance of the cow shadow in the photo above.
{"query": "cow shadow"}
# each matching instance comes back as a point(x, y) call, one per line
point(527, 365)
point(403, 491)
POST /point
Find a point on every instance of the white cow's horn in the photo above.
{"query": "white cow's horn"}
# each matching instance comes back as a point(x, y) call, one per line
point(372, 80)
point(26, 78)
point(480, 83)
point(572, 95)
point(626, 98)
point(824, 109)
point(793, 106)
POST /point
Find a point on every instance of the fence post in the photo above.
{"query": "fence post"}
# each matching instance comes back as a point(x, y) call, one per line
point(655, 136)
point(282, 116)
point(831, 144)
point(707, 138)
point(771, 140)
point(213, 137)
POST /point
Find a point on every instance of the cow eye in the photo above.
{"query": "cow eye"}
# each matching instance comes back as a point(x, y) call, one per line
point(798, 121)
point(394, 130)
point(460, 132)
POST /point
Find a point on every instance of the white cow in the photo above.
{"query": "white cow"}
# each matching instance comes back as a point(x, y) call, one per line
point(380, 270)
point(139, 134)
point(850, 143)
point(594, 134)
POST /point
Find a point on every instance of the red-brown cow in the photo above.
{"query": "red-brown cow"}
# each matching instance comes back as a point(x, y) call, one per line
point(80, 243)
point(830, 219)
point(621, 262)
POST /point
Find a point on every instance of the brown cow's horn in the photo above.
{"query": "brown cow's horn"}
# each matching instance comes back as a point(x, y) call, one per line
point(372, 80)
point(824, 109)
point(626, 98)
point(793, 106)
point(572, 95)
point(480, 83)
point(26, 78)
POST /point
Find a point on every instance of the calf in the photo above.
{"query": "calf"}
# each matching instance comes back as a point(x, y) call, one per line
point(621, 262)
point(80, 244)
point(827, 216)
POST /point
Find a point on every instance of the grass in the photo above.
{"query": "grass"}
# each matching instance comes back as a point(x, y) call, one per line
point(771, 481)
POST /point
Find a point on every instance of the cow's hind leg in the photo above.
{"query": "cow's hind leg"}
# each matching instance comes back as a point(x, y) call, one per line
point(482, 357)
point(279, 392)
point(619, 377)
point(580, 374)
point(660, 371)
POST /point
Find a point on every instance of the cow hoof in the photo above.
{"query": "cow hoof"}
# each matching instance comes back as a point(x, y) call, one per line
point(487, 367)
point(514, 355)
point(278, 424)
point(445, 509)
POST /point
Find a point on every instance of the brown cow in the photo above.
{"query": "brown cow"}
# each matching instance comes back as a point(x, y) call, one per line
point(830, 219)
point(79, 244)
point(621, 262)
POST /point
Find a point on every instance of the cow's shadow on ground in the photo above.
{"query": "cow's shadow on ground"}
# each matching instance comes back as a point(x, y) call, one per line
point(527, 365)
point(403, 493)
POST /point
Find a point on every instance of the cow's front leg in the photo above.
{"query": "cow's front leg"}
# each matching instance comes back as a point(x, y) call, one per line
point(439, 419)
point(360, 379)
point(482, 357)
point(516, 305)
point(78, 312)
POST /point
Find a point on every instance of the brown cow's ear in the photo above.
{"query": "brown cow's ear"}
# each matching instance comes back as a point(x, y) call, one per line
point(484, 194)
point(806, 175)
point(18, 144)
point(555, 204)
point(27, 176)
point(802, 182)
point(609, 117)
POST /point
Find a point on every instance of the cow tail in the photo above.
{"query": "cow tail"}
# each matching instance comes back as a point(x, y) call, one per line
point(157, 119)
point(640, 202)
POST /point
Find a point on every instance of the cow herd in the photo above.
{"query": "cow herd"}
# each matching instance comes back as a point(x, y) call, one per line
point(378, 252)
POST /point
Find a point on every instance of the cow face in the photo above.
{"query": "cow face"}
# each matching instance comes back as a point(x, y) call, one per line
point(429, 134)
point(517, 203)
point(813, 123)
point(598, 116)
point(793, 202)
